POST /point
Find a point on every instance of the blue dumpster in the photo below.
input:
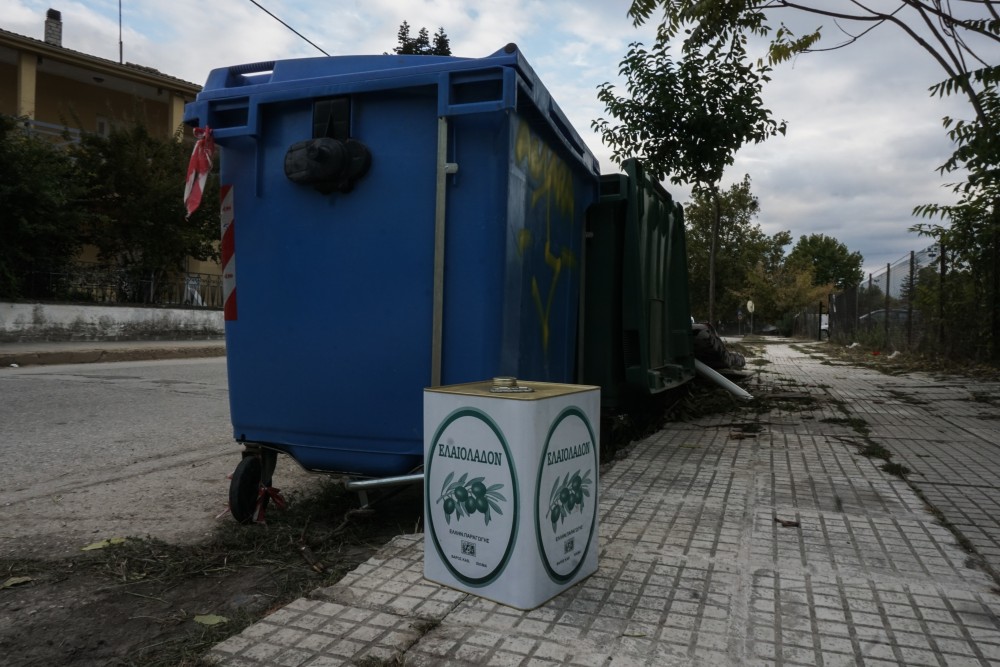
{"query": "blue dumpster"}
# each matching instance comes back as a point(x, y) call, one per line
point(400, 222)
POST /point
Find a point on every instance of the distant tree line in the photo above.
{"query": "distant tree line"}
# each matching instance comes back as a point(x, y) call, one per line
point(752, 265)
point(422, 44)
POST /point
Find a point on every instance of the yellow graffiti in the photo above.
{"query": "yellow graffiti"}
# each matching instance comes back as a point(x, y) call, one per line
point(523, 241)
point(545, 168)
point(552, 181)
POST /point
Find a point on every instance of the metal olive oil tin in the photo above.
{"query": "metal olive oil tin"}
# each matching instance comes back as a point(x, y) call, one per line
point(510, 488)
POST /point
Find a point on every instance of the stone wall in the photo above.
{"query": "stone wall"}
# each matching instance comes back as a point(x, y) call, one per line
point(29, 322)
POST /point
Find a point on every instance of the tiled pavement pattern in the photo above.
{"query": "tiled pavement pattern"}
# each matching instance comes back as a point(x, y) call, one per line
point(745, 539)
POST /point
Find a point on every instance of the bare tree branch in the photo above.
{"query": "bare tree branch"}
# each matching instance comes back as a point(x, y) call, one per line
point(952, 62)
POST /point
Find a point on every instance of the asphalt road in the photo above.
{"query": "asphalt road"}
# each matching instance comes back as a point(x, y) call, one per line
point(93, 451)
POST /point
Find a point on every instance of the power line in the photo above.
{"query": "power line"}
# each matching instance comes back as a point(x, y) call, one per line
point(265, 10)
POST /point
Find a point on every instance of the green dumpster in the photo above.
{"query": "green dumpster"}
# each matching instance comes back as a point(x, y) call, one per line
point(637, 315)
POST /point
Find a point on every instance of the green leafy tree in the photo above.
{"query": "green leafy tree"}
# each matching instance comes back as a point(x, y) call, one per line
point(442, 45)
point(421, 45)
point(134, 208)
point(829, 260)
point(685, 119)
point(40, 219)
point(962, 299)
point(961, 38)
point(973, 229)
point(778, 293)
point(742, 247)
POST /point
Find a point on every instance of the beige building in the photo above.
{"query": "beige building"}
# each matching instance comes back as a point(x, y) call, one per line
point(55, 90)
point(55, 87)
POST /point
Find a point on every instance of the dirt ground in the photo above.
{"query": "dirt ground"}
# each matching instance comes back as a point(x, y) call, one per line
point(164, 601)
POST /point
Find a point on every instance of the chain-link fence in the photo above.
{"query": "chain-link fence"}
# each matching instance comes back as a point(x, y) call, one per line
point(814, 325)
point(921, 303)
point(96, 283)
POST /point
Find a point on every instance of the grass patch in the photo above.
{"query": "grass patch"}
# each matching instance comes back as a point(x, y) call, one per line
point(746, 351)
point(747, 427)
point(905, 398)
point(897, 469)
point(241, 573)
point(873, 450)
point(857, 423)
point(985, 397)
point(976, 558)
point(908, 362)
point(309, 521)
point(703, 400)
point(781, 393)
point(373, 661)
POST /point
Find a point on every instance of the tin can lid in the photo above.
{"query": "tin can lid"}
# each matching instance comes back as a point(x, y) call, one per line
point(508, 385)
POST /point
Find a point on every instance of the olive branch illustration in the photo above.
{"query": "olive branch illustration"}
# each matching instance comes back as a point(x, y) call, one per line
point(466, 497)
point(567, 494)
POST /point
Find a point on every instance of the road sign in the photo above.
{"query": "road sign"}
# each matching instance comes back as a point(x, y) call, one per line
point(750, 306)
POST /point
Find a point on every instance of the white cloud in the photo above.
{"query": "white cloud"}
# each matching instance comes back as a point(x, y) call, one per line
point(864, 137)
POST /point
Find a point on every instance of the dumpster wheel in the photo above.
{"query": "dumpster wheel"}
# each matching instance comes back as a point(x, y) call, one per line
point(245, 487)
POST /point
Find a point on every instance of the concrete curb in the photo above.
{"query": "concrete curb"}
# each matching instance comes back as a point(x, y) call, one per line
point(86, 355)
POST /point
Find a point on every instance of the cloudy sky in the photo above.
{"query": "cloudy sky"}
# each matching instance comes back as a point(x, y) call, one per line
point(864, 137)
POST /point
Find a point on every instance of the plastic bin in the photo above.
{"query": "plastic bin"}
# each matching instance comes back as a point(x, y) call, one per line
point(400, 222)
point(637, 328)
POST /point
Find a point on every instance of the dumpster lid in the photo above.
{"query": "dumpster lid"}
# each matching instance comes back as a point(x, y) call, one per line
point(369, 66)
point(232, 95)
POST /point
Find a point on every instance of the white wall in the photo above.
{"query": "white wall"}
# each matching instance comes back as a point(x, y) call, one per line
point(23, 322)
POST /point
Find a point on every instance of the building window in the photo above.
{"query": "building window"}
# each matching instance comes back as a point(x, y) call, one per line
point(103, 126)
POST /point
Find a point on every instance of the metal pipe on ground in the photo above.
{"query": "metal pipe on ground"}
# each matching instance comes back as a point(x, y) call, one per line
point(713, 375)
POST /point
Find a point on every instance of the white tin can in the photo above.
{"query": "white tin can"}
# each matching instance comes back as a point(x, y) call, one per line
point(510, 488)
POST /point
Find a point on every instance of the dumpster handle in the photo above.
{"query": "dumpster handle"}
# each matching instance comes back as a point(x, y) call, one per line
point(443, 169)
point(253, 68)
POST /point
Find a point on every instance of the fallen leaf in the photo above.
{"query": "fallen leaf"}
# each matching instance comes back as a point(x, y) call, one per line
point(210, 619)
point(786, 523)
point(15, 581)
point(103, 544)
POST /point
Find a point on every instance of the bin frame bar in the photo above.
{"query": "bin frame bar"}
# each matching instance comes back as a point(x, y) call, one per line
point(444, 168)
point(362, 484)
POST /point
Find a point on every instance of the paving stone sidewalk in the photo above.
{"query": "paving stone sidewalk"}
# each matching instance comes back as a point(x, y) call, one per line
point(758, 537)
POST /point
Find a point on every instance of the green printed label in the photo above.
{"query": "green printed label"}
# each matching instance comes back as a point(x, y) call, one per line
point(566, 495)
point(472, 502)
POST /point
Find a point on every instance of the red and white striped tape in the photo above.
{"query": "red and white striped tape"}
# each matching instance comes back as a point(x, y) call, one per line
point(227, 218)
point(198, 168)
